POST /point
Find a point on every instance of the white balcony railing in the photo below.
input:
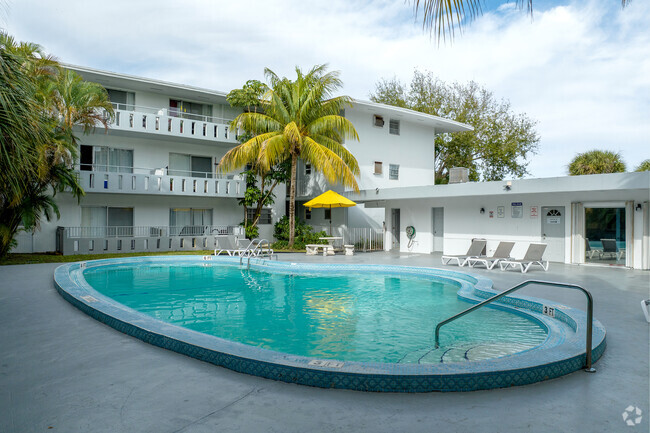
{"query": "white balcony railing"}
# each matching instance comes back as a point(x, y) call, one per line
point(169, 122)
point(133, 180)
point(89, 240)
point(145, 231)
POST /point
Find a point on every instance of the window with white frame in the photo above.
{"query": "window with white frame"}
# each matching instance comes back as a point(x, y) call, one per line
point(378, 167)
point(265, 215)
point(393, 127)
point(393, 171)
point(307, 169)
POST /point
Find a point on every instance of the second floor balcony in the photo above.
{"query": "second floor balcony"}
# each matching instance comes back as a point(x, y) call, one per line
point(172, 123)
point(135, 180)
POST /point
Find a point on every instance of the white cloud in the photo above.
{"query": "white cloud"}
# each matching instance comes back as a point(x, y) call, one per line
point(581, 69)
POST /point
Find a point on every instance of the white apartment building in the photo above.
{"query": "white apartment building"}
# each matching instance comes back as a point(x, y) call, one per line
point(151, 179)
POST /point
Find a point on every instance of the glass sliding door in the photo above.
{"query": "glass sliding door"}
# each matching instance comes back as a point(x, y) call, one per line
point(93, 222)
point(201, 166)
point(605, 241)
point(179, 164)
point(189, 222)
point(120, 221)
point(102, 221)
point(111, 160)
point(190, 165)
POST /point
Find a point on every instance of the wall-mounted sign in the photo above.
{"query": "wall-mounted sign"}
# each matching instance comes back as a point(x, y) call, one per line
point(501, 211)
point(516, 203)
point(517, 210)
point(491, 214)
point(534, 211)
point(553, 220)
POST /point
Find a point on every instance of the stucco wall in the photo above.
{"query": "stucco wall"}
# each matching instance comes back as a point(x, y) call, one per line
point(463, 221)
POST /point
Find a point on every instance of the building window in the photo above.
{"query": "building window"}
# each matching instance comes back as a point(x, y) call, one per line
point(106, 159)
point(121, 100)
point(378, 121)
point(307, 169)
point(189, 221)
point(307, 213)
point(265, 216)
point(378, 167)
point(393, 127)
point(393, 171)
point(328, 214)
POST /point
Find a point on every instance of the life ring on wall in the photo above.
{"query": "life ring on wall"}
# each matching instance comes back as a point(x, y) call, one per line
point(410, 233)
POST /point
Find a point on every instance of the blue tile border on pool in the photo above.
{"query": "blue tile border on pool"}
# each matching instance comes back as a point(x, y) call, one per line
point(563, 351)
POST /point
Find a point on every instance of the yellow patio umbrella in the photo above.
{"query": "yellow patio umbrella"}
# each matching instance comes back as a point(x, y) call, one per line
point(329, 199)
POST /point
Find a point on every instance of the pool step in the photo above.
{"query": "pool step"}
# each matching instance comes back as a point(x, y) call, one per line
point(463, 352)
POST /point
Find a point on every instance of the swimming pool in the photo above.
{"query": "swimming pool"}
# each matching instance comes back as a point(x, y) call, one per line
point(363, 327)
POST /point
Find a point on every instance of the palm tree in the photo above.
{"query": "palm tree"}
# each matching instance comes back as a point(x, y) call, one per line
point(299, 119)
point(596, 162)
point(39, 105)
point(441, 17)
point(644, 166)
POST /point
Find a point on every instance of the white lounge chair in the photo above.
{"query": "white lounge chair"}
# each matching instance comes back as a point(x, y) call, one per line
point(477, 249)
point(532, 257)
point(501, 253)
point(644, 307)
point(229, 245)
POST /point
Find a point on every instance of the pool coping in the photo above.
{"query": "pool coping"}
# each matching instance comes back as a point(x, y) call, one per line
point(562, 352)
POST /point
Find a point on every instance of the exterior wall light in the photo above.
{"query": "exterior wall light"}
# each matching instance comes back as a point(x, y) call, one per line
point(508, 186)
point(638, 206)
point(482, 210)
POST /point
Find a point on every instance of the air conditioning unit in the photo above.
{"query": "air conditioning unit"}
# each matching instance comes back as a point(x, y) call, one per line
point(378, 121)
point(458, 175)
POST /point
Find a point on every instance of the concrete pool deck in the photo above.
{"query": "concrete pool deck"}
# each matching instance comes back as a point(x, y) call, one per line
point(60, 368)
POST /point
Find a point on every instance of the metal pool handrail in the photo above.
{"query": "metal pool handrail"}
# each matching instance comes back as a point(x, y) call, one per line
point(590, 312)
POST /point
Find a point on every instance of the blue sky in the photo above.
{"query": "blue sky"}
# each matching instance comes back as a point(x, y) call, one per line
point(579, 68)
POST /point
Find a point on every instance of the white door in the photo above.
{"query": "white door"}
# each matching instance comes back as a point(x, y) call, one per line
point(553, 232)
point(395, 229)
point(437, 228)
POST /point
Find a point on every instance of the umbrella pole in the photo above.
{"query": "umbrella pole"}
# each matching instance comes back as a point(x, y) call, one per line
point(330, 220)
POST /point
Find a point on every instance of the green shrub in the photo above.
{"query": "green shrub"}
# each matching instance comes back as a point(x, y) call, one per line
point(304, 234)
point(251, 231)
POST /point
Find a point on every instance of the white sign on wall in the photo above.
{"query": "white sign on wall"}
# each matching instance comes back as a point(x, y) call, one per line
point(501, 211)
point(517, 210)
point(553, 220)
point(534, 211)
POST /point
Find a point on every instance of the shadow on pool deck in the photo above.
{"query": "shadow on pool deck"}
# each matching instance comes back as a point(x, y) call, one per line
point(62, 369)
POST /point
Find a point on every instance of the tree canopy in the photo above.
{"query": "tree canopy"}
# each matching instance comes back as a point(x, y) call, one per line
point(40, 103)
point(499, 145)
point(299, 120)
point(596, 162)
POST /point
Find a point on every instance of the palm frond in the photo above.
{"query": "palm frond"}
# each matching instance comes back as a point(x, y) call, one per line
point(331, 165)
point(245, 153)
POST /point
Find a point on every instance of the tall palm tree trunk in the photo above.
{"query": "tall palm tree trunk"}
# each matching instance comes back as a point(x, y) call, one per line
point(292, 200)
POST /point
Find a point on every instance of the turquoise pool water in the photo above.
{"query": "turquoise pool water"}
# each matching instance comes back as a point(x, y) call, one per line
point(349, 317)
